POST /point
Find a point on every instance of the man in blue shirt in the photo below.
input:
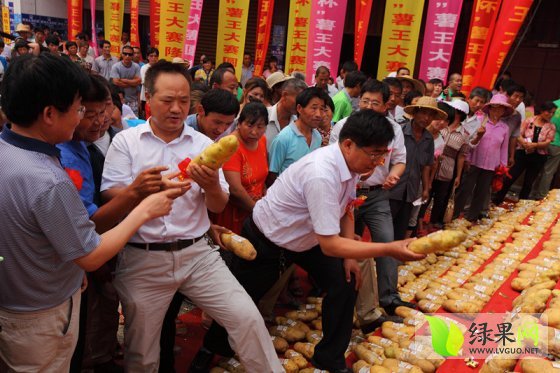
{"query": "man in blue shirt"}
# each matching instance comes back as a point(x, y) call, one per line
point(300, 137)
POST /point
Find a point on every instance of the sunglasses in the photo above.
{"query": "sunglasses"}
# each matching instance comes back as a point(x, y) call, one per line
point(128, 54)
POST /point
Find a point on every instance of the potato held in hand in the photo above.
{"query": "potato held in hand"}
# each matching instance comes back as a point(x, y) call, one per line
point(438, 241)
point(240, 246)
point(218, 153)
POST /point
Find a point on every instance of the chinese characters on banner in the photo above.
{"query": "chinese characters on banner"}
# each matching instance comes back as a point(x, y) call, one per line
point(264, 23)
point(325, 36)
point(173, 18)
point(191, 36)
point(74, 18)
point(363, 12)
point(401, 29)
point(154, 22)
point(439, 37)
point(134, 37)
point(6, 22)
point(232, 27)
point(298, 30)
point(511, 17)
point(483, 20)
point(114, 12)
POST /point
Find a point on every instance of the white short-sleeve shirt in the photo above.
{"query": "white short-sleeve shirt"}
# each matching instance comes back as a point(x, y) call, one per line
point(397, 153)
point(309, 198)
point(137, 149)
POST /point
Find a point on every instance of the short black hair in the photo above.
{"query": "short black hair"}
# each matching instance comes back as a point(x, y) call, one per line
point(105, 42)
point(375, 86)
point(512, 88)
point(354, 79)
point(273, 58)
point(403, 68)
point(71, 44)
point(393, 82)
point(436, 81)
point(305, 96)
point(127, 47)
point(247, 54)
point(51, 39)
point(411, 96)
point(322, 69)
point(218, 76)
point(226, 65)
point(152, 50)
point(28, 86)
point(448, 109)
point(164, 67)
point(547, 106)
point(349, 66)
point(98, 90)
point(367, 128)
point(219, 101)
point(253, 112)
point(82, 35)
point(480, 92)
point(2, 44)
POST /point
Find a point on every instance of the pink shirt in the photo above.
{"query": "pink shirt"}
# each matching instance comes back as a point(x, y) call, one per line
point(547, 133)
point(492, 150)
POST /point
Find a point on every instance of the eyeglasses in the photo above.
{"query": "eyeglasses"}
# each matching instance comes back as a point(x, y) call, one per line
point(81, 111)
point(369, 103)
point(128, 54)
point(376, 156)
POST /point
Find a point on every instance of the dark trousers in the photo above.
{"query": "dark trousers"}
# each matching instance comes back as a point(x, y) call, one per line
point(440, 192)
point(400, 210)
point(167, 336)
point(532, 164)
point(258, 276)
point(375, 213)
point(476, 185)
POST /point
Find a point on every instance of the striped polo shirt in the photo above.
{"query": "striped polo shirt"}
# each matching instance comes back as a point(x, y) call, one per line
point(44, 226)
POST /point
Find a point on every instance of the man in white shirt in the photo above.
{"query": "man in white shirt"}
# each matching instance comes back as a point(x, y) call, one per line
point(173, 254)
point(295, 223)
point(284, 112)
point(379, 275)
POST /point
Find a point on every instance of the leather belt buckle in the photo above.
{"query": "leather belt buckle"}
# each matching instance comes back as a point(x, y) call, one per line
point(174, 246)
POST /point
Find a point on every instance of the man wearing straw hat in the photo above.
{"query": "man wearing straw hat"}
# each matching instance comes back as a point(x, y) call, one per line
point(419, 145)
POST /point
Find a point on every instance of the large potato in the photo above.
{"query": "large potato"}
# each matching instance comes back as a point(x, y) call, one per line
point(240, 246)
point(296, 357)
point(218, 153)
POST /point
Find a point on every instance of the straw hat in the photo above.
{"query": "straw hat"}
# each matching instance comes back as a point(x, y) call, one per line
point(418, 85)
point(459, 105)
point(275, 78)
point(426, 102)
point(181, 61)
point(499, 99)
point(23, 28)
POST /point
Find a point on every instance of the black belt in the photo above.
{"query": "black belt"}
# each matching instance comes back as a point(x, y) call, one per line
point(166, 246)
point(369, 188)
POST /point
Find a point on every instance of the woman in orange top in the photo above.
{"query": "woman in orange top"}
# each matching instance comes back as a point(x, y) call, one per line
point(247, 169)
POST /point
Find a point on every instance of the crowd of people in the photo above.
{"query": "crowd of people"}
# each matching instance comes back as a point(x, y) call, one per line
point(96, 215)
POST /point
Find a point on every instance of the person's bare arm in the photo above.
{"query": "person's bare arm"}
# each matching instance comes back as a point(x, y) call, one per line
point(238, 194)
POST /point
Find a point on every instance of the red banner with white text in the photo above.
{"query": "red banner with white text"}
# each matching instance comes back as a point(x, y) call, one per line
point(511, 17)
point(363, 11)
point(134, 37)
point(154, 22)
point(264, 23)
point(483, 21)
point(74, 18)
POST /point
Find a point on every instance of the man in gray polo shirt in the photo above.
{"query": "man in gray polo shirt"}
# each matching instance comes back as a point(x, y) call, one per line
point(126, 74)
point(104, 63)
point(47, 238)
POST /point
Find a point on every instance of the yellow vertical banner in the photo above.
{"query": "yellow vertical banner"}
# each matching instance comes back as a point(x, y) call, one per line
point(113, 18)
point(298, 35)
point(6, 22)
point(401, 30)
point(173, 18)
point(232, 28)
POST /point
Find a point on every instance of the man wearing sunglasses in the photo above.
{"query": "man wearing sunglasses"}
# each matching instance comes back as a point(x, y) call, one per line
point(126, 74)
